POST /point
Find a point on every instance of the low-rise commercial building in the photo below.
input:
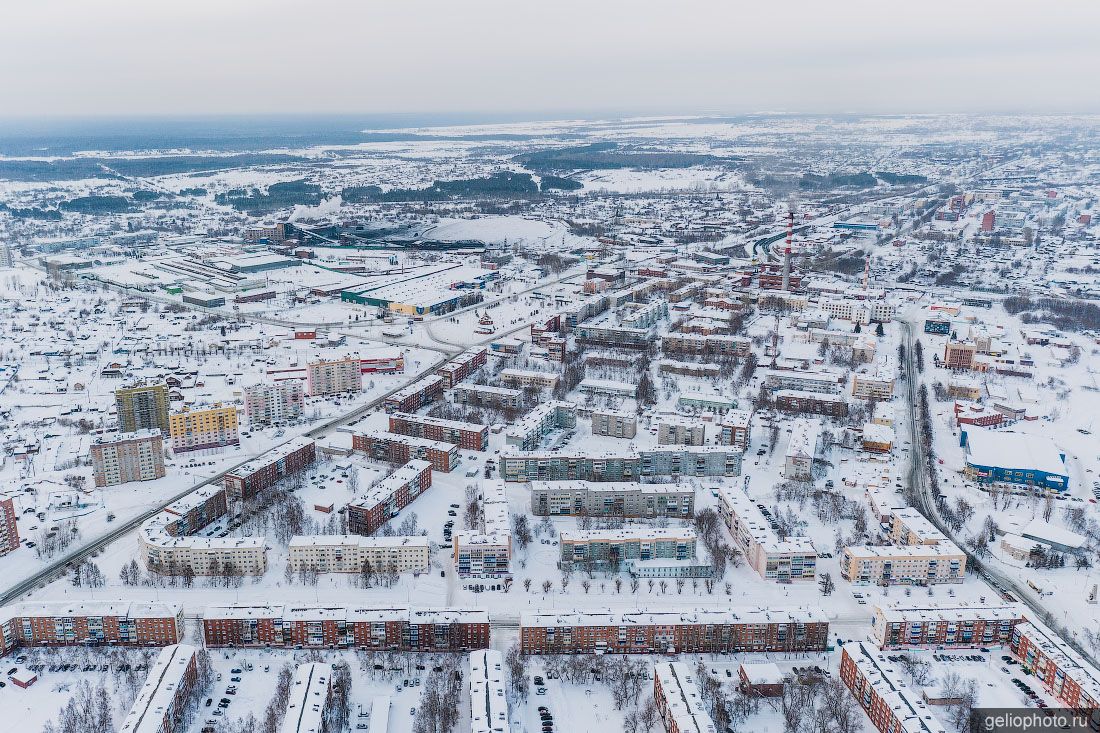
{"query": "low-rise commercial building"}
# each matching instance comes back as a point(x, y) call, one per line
point(783, 560)
point(1005, 457)
point(119, 459)
point(342, 553)
point(674, 631)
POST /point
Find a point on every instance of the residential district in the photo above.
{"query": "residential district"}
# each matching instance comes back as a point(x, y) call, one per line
point(717, 430)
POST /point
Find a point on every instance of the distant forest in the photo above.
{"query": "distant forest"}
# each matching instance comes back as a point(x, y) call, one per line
point(609, 156)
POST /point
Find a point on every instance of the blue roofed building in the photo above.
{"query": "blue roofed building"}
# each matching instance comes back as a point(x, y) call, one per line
point(1014, 458)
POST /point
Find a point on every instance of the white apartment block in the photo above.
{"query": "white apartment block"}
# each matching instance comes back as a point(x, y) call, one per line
point(352, 553)
point(859, 311)
point(267, 404)
point(782, 560)
point(339, 376)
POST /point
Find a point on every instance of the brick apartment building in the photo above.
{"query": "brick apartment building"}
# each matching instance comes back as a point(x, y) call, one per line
point(402, 448)
point(368, 628)
point(880, 688)
point(468, 436)
point(162, 702)
point(385, 499)
point(674, 631)
point(270, 468)
point(416, 395)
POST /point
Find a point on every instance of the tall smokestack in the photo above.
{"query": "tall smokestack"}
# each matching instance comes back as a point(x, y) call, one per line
point(787, 250)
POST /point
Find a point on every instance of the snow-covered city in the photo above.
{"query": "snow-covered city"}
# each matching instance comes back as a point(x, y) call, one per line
point(660, 423)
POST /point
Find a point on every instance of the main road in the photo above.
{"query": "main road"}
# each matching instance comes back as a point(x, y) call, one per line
point(918, 478)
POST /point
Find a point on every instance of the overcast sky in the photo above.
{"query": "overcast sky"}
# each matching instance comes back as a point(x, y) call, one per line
point(126, 57)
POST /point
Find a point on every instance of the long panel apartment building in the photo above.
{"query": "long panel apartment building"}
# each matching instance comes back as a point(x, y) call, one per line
point(325, 378)
point(612, 499)
point(416, 395)
point(488, 703)
point(172, 542)
point(713, 345)
point(625, 466)
point(265, 471)
point(395, 448)
point(392, 628)
point(528, 432)
point(310, 700)
point(679, 701)
point(161, 703)
point(930, 626)
point(904, 565)
point(820, 382)
point(90, 623)
point(389, 496)
point(783, 560)
point(482, 395)
point(468, 436)
point(462, 366)
point(1060, 669)
point(674, 631)
point(487, 549)
point(879, 687)
point(342, 553)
